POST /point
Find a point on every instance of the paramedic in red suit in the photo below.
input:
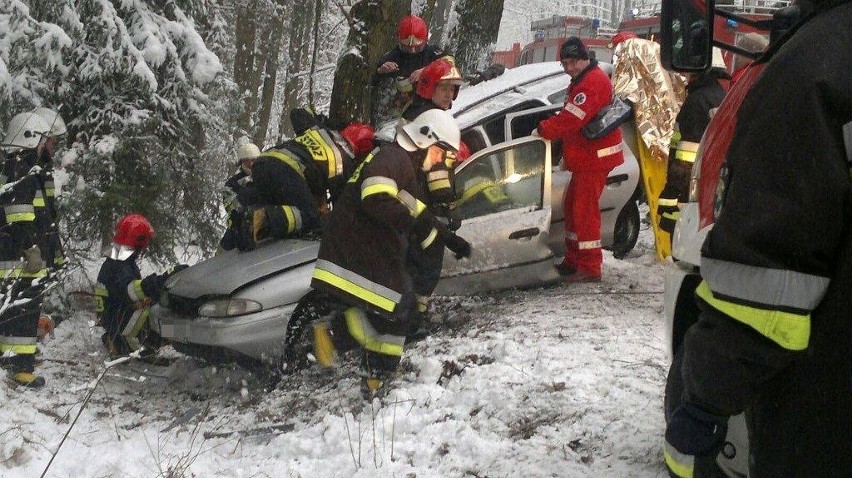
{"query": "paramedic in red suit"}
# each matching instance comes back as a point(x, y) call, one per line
point(589, 161)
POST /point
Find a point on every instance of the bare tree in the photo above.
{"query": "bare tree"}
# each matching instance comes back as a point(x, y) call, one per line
point(473, 38)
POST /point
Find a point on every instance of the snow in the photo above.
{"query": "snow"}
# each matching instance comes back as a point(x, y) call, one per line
point(561, 381)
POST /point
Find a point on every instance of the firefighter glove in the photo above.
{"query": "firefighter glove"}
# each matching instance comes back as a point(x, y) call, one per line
point(693, 435)
point(33, 262)
point(460, 247)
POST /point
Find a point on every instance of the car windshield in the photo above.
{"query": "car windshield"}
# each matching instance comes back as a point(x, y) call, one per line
point(509, 178)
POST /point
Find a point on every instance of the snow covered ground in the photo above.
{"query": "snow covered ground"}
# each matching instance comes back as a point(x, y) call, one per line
point(564, 381)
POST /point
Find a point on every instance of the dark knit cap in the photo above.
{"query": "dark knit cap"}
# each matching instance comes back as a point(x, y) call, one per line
point(573, 48)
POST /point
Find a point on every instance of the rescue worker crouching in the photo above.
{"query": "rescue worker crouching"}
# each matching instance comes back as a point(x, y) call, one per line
point(294, 182)
point(123, 297)
point(22, 267)
point(235, 191)
point(362, 256)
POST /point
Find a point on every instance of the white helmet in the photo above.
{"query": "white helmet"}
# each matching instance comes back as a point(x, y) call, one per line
point(430, 127)
point(52, 118)
point(26, 131)
point(247, 151)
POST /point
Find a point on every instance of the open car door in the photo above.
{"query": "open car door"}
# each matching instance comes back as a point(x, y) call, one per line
point(503, 197)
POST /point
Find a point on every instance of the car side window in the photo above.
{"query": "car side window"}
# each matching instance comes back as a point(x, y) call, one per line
point(474, 140)
point(558, 98)
point(505, 179)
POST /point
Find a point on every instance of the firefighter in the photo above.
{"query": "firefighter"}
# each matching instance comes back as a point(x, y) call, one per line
point(753, 42)
point(236, 189)
point(589, 160)
point(774, 335)
point(46, 212)
point(362, 256)
point(704, 93)
point(295, 181)
point(438, 86)
point(406, 61)
point(123, 297)
point(22, 267)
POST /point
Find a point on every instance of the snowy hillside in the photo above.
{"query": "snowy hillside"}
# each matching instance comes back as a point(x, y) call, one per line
point(563, 381)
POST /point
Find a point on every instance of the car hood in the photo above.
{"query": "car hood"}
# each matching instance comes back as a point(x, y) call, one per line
point(232, 270)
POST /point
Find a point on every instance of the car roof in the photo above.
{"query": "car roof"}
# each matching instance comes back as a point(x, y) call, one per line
point(515, 86)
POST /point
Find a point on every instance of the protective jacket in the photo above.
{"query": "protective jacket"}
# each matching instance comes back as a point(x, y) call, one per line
point(123, 298)
point(775, 332)
point(703, 95)
point(362, 256)
point(407, 62)
point(590, 91)
point(590, 161)
point(19, 186)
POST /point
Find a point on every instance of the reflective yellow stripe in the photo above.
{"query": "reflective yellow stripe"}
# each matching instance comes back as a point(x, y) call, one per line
point(688, 146)
point(667, 201)
point(604, 152)
point(789, 330)
point(681, 465)
point(101, 294)
point(356, 290)
point(323, 149)
point(364, 333)
point(439, 184)
point(378, 189)
point(134, 326)
point(38, 200)
point(291, 218)
point(474, 190)
point(18, 349)
point(297, 166)
point(671, 215)
point(685, 156)
point(17, 272)
point(134, 290)
point(429, 239)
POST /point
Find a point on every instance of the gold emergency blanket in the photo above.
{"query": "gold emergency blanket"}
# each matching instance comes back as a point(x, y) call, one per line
point(655, 92)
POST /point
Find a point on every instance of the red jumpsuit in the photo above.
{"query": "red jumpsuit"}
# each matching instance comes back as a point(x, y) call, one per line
point(589, 160)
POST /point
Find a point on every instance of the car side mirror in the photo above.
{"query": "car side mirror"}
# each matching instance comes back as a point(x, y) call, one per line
point(686, 34)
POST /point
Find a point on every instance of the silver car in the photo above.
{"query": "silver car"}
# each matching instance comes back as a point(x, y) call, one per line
point(246, 305)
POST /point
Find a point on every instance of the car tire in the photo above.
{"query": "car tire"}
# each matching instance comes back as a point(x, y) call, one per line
point(626, 230)
point(299, 340)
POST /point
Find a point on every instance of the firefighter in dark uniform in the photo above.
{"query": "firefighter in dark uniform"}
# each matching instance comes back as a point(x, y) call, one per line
point(362, 257)
point(46, 211)
point(294, 182)
point(124, 297)
point(437, 87)
point(704, 93)
point(775, 331)
point(406, 61)
point(22, 268)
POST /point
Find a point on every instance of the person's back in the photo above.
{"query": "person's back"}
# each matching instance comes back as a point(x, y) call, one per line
point(775, 332)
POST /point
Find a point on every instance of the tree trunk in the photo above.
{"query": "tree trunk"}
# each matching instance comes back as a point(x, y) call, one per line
point(473, 38)
point(299, 58)
point(244, 60)
point(267, 92)
point(372, 33)
point(437, 18)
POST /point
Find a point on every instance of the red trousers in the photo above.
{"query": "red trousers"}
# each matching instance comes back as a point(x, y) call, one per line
point(583, 221)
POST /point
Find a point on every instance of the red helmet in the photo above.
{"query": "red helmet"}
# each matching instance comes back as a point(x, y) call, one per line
point(620, 37)
point(412, 31)
point(439, 70)
point(360, 136)
point(464, 152)
point(133, 231)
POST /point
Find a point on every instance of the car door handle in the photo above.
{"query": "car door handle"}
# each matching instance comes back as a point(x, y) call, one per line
point(617, 179)
point(531, 232)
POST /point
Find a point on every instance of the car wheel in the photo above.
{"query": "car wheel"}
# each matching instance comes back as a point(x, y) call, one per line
point(626, 230)
point(299, 341)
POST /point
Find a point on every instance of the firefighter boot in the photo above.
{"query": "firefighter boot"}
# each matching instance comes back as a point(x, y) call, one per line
point(29, 379)
point(324, 349)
